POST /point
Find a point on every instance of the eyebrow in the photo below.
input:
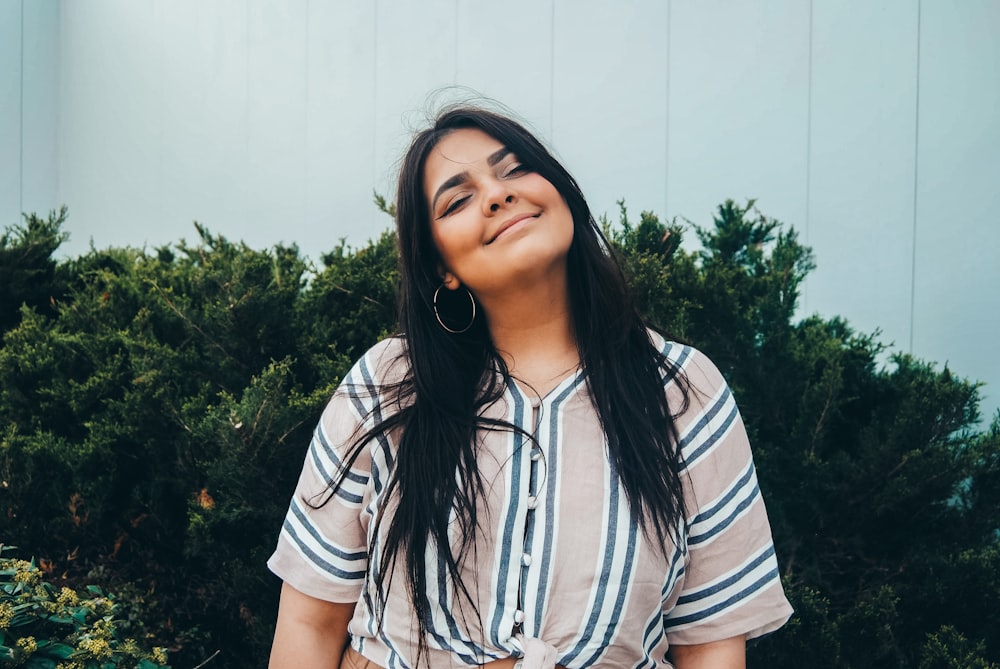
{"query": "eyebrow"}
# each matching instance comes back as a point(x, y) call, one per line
point(497, 156)
point(492, 160)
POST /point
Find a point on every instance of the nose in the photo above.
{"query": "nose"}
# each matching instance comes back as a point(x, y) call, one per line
point(495, 205)
point(495, 192)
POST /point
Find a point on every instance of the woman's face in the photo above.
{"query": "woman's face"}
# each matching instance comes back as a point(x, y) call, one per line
point(497, 226)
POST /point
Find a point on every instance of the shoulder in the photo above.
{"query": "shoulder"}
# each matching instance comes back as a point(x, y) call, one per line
point(374, 383)
point(706, 415)
point(700, 375)
point(369, 393)
point(384, 364)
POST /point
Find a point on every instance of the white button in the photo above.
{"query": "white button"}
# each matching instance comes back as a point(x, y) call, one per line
point(536, 453)
point(532, 502)
point(526, 560)
point(519, 617)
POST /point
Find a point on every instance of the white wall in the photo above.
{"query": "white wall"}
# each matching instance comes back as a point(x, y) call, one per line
point(29, 107)
point(861, 150)
point(870, 126)
point(957, 276)
point(10, 110)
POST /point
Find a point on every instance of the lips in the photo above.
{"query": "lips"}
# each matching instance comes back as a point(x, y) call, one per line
point(509, 223)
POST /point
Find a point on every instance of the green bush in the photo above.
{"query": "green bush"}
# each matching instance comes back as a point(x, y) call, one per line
point(42, 627)
point(156, 406)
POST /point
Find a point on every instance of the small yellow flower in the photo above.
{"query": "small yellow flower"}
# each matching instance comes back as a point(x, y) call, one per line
point(6, 615)
point(27, 644)
point(68, 665)
point(26, 572)
point(67, 597)
point(101, 630)
point(99, 648)
point(101, 605)
point(160, 655)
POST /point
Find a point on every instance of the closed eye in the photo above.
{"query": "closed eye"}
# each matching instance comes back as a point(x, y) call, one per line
point(454, 206)
point(515, 169)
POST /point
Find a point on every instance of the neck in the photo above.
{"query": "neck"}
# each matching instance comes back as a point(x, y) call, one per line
point(532, 330)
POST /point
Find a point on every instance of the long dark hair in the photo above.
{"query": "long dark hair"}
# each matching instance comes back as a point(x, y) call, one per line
point(452, 377)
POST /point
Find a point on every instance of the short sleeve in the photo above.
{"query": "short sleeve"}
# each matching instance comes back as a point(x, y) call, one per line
point(322, 547)
point(731, 583)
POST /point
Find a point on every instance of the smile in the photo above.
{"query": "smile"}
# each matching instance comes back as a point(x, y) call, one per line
point(510, 223)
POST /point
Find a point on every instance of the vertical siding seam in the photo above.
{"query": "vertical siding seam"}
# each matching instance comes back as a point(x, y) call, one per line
point(246, 116)
point(552, 72)
point(375, 114)
point(20, 120)
point(161, 123)
point(916, 173)
point(666, 124)
point(58, 128)
point(809, 102)
point(306, 154)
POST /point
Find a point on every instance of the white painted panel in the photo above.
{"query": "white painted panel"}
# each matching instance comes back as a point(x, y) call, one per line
point(41, 106)
point(275, 120)
point(186, 111)
point(276, 90)
point(108, 149)
point(10, 112)
point(202, 136)
point(610, 101)
point(864, 82)
point(415, 55)
point(206, 116)
point(738, 99)
point(504, 52)
point(340, 123)
point(957, 309)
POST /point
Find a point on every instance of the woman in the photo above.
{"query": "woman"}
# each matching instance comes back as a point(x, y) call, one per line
point(590, 482)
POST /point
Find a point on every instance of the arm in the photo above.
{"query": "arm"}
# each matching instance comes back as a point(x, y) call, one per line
point(725, 654)
point(310, 632)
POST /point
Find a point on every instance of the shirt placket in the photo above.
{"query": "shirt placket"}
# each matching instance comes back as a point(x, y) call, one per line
point(535, 466)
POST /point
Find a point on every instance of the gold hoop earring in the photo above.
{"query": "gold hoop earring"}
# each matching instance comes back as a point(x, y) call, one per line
point(438, 315)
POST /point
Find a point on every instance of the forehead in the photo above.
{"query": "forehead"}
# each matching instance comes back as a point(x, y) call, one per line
point(458, 151)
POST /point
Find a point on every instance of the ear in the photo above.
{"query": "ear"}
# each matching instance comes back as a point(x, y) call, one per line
point(449, 280)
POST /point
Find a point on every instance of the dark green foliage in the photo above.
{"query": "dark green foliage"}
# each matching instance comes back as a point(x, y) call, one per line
point(155, 408)
point(882, 499)
point(154, 422)
point(349, 305)
point(44, 627)
point(949, 649)
point(811, 638)
point(27, 269)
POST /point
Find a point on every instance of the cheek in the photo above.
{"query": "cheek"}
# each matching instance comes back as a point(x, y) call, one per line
point(453, 240)
point(567, 217)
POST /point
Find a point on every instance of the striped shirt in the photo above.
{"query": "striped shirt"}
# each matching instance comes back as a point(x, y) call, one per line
point(558, 556)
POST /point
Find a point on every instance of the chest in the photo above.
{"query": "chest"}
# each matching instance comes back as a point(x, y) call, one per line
point(555, 531)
